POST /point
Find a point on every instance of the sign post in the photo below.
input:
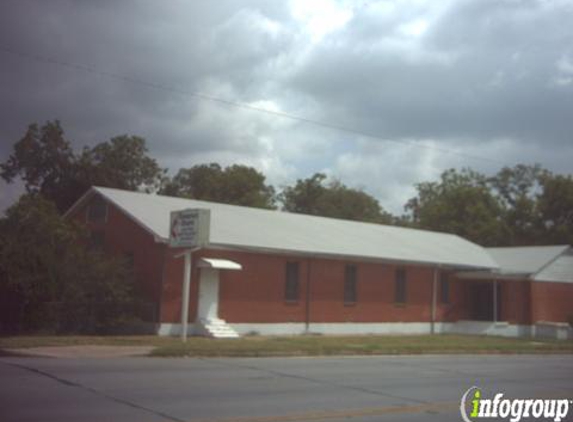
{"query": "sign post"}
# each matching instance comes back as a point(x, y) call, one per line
point(188, 228)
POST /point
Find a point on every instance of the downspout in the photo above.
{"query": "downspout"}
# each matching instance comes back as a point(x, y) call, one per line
point(161, 286)
point(495, 315)
point(434, 298)
point(307, 304)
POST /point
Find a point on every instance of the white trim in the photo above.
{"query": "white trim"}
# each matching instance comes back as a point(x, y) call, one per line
point(269, 329)
point(334, 328)
point(375, 328)
point(174, 329)
point(489, 328)
point(504, 329)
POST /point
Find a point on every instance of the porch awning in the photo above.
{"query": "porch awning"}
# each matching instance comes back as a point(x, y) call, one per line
point(219, 264)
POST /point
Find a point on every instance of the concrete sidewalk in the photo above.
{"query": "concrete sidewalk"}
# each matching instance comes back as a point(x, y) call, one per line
point(86, 351)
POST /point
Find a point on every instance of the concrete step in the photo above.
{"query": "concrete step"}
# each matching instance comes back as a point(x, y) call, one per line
point(218, 329)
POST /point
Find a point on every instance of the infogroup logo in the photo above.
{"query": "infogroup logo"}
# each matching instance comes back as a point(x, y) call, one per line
point(474, 406)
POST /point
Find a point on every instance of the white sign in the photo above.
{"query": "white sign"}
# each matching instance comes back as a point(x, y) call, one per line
point(189, 228)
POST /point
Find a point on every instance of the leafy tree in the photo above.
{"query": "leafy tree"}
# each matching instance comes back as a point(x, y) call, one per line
point(121, 163)
point(46, 162)
point(316, 197)
point(304, 196)
point(460, 203)
point(517, 189)
point(236, 184)
point(556, 208)
point(46, 270)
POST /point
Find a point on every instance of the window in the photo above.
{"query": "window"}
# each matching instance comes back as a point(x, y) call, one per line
point(97, 210)
point(97, 240)
point(444, 288)
point(400, 292)
point(291, 282)
point(350, 284)
point(129, 259)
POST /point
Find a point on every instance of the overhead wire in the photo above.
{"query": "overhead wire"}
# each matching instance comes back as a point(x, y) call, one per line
point(206, 97)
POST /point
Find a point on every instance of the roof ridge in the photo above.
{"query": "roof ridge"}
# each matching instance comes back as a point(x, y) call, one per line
point(283, 212)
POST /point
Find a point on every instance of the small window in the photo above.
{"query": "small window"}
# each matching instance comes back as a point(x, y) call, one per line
point(97, 210)
point(444, 288)
point(400, 292)
point(97, 240)
point(350, 284)
point(129, 260)
point(291, 282)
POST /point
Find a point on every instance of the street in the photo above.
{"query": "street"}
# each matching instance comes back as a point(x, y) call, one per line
point(382, 388)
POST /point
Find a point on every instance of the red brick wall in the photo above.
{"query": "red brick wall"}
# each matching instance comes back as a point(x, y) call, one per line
point(375, 293)
point(122, 236)
point(515, 301)
point(253, 294)
point(171, 294)
point(256, 294)
point(551, 301)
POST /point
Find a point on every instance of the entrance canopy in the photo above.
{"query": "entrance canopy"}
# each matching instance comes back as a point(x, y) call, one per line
point(219, 264)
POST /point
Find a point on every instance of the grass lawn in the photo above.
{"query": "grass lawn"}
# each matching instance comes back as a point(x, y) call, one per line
point(305, 345)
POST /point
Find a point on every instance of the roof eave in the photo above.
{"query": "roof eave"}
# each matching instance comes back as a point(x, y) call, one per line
point(444, 265)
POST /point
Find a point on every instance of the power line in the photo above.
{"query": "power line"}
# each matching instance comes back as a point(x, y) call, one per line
point(236, 104)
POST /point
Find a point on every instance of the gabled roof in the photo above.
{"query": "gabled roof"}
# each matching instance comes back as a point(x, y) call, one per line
point(252, 228)
point(526, 260)
point(560, 270)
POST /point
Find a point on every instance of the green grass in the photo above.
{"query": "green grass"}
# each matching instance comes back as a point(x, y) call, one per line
point(23, 342)
point(358, 345)
point(306, 345)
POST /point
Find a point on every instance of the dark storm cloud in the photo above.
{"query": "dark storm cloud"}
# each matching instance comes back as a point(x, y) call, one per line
point(473, 76)
point(191, 48)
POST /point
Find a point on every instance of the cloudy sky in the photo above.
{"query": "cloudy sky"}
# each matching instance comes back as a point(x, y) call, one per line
point(421, 86)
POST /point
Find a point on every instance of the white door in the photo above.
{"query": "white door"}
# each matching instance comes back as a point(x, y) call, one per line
point(208, 294)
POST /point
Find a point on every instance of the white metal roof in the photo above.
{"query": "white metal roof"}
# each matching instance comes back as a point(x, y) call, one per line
point(560, 270)
point(253, 228)
point(527, 260)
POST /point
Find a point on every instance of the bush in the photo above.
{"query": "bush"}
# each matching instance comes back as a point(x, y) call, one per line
point(60, 285)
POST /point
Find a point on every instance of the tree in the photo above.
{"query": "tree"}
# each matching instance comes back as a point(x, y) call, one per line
point(46, 162)
point(556, 208)
point(517, 190)
point(49, 273)
point(315, 197)
point(121, 163)
point(460, 203)
point(236, 184)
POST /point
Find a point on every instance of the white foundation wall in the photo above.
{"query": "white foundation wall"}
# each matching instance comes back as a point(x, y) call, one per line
point(172, 329)
point(553, 330)
point(504, 329)
point(285, 329)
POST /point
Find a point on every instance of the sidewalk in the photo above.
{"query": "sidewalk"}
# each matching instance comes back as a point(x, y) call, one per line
point(67, 352)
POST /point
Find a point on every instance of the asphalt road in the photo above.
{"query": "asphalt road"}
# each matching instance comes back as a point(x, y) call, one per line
point(386, 388)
